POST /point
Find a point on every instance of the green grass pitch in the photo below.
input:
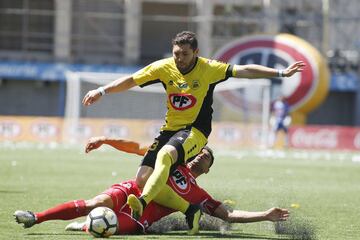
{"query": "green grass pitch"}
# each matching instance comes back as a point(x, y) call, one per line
point(326, 186)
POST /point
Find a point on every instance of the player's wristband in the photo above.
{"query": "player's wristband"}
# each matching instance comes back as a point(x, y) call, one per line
point(101, 91)
point(280, 73)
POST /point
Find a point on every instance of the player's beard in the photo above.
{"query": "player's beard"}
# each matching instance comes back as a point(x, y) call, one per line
point(187, 68)
point(195, 169)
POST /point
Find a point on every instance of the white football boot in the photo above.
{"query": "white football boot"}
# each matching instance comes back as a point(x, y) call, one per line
point(75, 226)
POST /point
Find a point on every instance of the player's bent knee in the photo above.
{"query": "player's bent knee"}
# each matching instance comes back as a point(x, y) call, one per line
point(102, 200)
point(143, 175)
point(140, 182)
point(168, 150)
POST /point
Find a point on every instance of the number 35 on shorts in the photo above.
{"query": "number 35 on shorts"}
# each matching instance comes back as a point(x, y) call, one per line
point(154, 145)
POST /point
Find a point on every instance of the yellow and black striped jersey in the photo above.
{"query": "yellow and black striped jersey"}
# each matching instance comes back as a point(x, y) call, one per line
point(190, 95)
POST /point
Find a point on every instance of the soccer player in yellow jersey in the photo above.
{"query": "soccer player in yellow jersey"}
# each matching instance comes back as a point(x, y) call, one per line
point(189, 81)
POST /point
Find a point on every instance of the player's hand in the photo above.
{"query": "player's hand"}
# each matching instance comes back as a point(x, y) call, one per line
point(294, 68)
point(91, 97)
point(94, 143)
point(277, 214)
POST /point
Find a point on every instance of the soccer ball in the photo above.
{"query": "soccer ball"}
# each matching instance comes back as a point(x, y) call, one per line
point(101, 222)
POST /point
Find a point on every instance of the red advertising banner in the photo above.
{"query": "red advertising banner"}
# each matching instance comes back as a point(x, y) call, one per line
point(325, 137)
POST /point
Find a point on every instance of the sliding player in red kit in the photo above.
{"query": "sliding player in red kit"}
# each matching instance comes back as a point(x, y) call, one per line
point(182, 180)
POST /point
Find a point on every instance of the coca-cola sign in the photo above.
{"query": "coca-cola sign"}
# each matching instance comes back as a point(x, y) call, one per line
point(329, 137)
point(323, 138)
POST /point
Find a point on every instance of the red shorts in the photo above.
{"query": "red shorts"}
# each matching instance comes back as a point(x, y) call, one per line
point(119, 193)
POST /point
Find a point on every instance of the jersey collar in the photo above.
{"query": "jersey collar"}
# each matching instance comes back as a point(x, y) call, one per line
point(196, 61)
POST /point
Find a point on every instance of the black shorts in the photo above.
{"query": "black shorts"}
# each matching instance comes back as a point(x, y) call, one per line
point(173, 138)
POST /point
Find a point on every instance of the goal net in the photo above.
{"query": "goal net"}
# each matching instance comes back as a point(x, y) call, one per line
point(241, 110)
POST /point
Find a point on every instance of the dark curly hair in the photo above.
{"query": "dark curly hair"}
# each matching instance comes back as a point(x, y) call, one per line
point(211, 154)
point(186, 37)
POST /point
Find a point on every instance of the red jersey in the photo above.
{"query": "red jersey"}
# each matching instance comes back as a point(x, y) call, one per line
point(181, 181)
point(184, 184)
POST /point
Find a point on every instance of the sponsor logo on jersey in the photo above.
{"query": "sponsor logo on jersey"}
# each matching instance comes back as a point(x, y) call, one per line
point(182, 101)
point(195, 84)
point(180, 182)
point(183, 85)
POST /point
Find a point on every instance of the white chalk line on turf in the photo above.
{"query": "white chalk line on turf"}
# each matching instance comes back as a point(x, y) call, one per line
point(311, 155)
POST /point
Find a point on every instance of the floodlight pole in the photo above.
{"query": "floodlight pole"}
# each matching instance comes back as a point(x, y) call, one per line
point(325, 22)
point(132, 31)
point(204, 26)
point(63, 21)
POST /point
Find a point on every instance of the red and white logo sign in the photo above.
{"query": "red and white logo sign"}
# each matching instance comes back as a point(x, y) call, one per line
point(83, 131)
point(182, 101)
point(303, 91)
point(228, 134)
point(44, 129)
point(114, 130)
point(9, 129)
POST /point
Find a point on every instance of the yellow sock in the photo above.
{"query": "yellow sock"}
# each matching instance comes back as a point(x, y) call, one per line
point(168, 198)
point(158, 178)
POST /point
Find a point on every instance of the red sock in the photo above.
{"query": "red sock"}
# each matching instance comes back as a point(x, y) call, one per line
point(65, 211)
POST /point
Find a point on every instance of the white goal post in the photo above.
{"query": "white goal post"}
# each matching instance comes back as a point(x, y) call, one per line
point(74, 95)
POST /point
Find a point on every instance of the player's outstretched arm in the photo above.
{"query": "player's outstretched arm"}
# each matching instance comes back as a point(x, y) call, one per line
point(238, 216)
point(118, 85)
point(258, 71)
point(119, 144)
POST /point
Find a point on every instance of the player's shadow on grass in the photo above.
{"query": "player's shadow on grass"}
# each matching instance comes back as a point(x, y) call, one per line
point(217, 235)
point(58, 234)
point(179, 235)
point(10, 192)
